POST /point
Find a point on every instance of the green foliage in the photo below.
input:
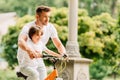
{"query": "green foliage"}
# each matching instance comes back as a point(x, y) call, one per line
point(95, 34)
point(9, 41)
point(82, 12)
point(5, 6)
point(97, 39)
point(96, 7)
point(59, 16)
point(119, 19)
point(60, 22)
point(23, 20)
point(24, 7)
point(98, 70)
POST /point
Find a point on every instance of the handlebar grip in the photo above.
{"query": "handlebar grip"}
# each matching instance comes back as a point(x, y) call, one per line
point(64, 56)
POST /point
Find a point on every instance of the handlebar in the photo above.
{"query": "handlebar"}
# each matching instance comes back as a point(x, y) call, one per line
point(65, 56)
point(47, 56)
point(53, 59)
point(50, 56)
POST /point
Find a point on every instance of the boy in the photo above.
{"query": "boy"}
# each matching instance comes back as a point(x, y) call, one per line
point(34, 67)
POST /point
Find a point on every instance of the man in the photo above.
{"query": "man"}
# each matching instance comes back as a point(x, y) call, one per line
point(42, 20)
point(49, 31)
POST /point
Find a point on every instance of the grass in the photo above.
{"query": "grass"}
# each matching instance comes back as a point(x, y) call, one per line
point(8, 75)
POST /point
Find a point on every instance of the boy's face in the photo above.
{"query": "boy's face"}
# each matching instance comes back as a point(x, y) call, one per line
point(36, 37)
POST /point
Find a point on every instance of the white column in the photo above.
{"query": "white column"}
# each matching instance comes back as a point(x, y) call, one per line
point(73, 20)
point(77, 68)
point(72, 46)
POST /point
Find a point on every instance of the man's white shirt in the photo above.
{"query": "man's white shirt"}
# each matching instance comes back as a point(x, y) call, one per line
point(49, 31)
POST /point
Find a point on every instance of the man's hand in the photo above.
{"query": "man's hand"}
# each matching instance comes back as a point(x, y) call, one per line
point(31, 54)
point(65, 56)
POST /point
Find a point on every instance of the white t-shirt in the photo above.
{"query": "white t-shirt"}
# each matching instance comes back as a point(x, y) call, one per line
point(25, 60)
point(49, 31)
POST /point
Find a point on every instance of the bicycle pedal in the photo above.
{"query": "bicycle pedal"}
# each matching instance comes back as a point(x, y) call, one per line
point(19, 74)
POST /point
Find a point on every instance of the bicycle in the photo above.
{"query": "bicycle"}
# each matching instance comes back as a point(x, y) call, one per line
point(53, 75)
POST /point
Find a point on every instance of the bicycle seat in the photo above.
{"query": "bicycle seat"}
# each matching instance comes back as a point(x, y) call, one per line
point(19, 74)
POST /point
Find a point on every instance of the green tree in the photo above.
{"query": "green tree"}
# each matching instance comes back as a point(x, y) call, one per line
point(96, 7)
point(97, 40)
point(24, 7)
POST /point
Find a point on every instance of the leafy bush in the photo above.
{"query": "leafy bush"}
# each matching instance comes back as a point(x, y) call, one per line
point(98, 70)
point(9, 41)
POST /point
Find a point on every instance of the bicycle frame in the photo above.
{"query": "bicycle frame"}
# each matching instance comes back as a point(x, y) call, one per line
point(52, 75)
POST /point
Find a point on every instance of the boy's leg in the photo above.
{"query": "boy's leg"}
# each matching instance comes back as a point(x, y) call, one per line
point(42, 72)
point(31, 72)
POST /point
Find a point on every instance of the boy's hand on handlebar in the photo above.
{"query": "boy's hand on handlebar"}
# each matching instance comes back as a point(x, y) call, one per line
point(31, 54)
point(34, 54)
point(38, 55)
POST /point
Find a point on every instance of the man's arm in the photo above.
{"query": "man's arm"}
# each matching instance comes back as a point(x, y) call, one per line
point(52, 53)
point(59, 45)
point(56, 41)
point(22, 44)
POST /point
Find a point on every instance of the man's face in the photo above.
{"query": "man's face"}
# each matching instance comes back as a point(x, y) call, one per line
point(44, 17)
